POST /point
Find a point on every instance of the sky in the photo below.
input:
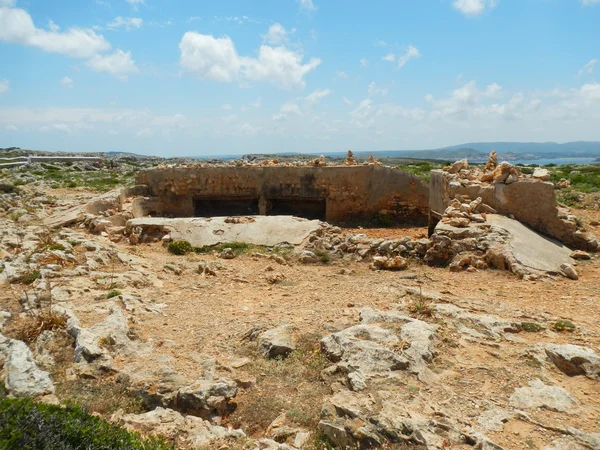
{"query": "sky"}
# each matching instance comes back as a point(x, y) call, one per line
point(200, 77)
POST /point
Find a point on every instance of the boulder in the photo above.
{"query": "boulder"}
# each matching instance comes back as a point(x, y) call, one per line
point(363, 351)
point(574, 359)
point(206, 398)
point(23, 377)
point(187, 431)
point(540, 395)
point(276, 342)
point(308, 257)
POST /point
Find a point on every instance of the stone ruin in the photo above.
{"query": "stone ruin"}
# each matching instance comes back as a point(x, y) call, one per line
point(478, 217)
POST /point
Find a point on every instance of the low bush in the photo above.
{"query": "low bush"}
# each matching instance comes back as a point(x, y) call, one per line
point(180, 247)
point(25, 424)
point(112, 294)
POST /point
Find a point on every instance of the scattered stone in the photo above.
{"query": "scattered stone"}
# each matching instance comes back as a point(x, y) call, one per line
point(569, 271)
point(308, 257)
point(580, 254)
point(387, 263)
point(227, 253)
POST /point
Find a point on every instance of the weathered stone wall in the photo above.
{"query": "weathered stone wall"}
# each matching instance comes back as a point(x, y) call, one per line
point(530, 201)
point(354, 192)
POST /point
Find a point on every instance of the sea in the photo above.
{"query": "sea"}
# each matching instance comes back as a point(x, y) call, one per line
point(557, 161)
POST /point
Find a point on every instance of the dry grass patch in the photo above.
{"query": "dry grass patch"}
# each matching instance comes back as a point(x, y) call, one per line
point(292, 386)
point(28, 328)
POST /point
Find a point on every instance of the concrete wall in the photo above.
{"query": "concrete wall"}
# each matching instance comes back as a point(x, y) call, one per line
point(350, 192)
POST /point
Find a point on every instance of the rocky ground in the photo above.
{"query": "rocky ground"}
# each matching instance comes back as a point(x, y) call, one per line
point(275, 348)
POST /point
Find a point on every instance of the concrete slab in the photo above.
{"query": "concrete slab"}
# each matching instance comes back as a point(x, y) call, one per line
point(257, 230)
point(532, 249)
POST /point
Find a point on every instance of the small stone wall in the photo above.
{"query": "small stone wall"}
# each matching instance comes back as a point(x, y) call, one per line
point(530, 201)
point(342, 193)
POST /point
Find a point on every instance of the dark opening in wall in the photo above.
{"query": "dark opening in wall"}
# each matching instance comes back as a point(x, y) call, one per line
point(225, 206)
point(308, 208)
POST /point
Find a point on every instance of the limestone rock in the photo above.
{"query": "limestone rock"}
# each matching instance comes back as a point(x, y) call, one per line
point(206, 398)
point(187, 431)
point(580, 254)
point(276, 342)
point(540, 395)
point(227, 253)
point(457, 166)
point(389, 263)
point(541, 174)
point(308, 257)
point(112, 333)
point(23, 377)
point(574, 359)
point(363, 351)
point(569, 271)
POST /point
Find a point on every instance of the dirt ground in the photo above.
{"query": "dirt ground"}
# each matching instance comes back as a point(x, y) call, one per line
point(210, 315)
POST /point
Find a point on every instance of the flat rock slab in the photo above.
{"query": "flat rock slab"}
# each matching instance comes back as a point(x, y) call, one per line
point(257, 230)
point(530, 248)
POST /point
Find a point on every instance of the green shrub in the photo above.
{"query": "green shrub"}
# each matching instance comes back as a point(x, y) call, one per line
point(238, 248)
point(30, 277)
point(323, 256)
point(57, 247)
point(563, 325)
point(112, 294)
point(25, 424)
point(180, 247)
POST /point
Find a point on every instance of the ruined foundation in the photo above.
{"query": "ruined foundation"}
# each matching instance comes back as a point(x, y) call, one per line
point(334, 194)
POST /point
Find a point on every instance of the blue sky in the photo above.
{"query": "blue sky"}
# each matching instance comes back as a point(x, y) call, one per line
point(183, 77)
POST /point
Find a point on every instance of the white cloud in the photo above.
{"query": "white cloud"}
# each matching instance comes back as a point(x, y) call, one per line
point(252, 105)
point(217, 59)
point(291, 107)
point(145, 132)
point(226, 107)
point(590, 92)
point(119, 63)
point(277, 35)
point(347, 101)
point(249, 129)
point(307, 5)
point(7, 3)
point(67, 82)
point(361, 116)
point(590, 2)
point(128, 23)
point(589, 67)
point(4, 86)
point(364, 62)
point(374, 90)
point(53, 27)
point(411, 52)
point(341, 75)
point(316, 96)
point(280, 66)
point(16, 27)
point(472, 8)
point(208, 57)
point(11, 128)
point(492, 90)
